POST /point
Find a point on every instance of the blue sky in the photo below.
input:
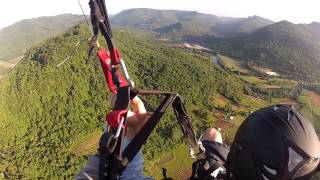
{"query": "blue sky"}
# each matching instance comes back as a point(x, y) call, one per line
point(297, 11)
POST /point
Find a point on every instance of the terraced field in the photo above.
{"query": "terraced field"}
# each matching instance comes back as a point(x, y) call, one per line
point(314, 99)
point(310, 107)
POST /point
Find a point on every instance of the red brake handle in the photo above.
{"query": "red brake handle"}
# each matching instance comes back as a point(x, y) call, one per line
point(114, 56)
point(106, 67)
point(114, 117)
point(105, 60)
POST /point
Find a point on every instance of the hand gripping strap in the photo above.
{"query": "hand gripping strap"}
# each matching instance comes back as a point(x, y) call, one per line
point(183, 119)
point(142, 136)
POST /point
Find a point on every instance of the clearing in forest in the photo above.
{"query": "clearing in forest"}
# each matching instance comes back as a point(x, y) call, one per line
point(314, 98)
point(87, 146)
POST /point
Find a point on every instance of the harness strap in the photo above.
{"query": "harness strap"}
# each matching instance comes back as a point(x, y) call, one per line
point(142, 136)
point(119, 164)
point(114, 161)
point(184, 121)
point(105, 147)
point(214, 160)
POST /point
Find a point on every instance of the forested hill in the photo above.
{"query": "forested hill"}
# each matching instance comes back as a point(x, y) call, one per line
point(179, 23)
point(17, 38)
point(290, 49)
point(45, 110)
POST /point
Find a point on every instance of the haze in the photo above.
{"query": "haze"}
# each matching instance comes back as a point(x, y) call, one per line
point(296, 11)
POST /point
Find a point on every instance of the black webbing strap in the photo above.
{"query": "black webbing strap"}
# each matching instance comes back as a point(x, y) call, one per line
point(104, 154)
point(181, 114)
point(136, 143)
point(215, 158)
point(99, 20)
point(109, 147)
point(116, 162)
point(123, 98)
point(184, 121)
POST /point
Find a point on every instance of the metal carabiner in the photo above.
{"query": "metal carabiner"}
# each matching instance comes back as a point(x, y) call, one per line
point(126, 74)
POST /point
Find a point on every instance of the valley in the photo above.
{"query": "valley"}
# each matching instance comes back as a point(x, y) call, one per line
point(224, 69)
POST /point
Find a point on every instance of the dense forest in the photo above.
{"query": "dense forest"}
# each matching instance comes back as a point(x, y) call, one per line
point(177, 24)
point(289, 49)
point(17, 38)
point(44, 110)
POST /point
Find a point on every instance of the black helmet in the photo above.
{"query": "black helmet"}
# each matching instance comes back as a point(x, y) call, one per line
point(276, 142)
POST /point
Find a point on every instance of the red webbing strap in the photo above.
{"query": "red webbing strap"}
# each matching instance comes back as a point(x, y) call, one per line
point(105, 64)
point(112, 75)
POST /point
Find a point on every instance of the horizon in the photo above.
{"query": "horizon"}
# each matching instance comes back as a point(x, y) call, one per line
point(1, 28)
point(272, 9)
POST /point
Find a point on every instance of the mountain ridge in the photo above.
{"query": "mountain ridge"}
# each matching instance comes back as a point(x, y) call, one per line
point(18, 37)
point(177, 22)
point(290, 49)
point(44, 110)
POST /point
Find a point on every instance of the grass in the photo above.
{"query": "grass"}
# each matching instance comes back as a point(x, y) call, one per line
point(269, 82)
point(314, 99)
point(282, 82)
point(253, 80)
point(233, 65)
point(4, 70)
point(6, 66)
point(88, 145)
point(180, 162)
point(308, 110)
point(220, 100)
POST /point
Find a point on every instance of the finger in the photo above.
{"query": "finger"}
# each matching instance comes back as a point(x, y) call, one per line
point(138, 105)
point(130, 113)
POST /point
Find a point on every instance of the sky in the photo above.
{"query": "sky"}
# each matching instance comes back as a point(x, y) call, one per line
point(296, 11)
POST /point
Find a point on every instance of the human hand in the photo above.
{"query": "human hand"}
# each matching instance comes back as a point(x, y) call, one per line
point(136, 118)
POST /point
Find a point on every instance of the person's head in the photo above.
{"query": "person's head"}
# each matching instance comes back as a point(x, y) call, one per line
point(276, 142)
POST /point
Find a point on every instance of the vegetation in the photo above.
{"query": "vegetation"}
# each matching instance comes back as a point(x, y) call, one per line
point(17, 38)
point(46, 111)
point(6, 66)
point(235, 67)
point(289, 49)
point(54, 116)
point(257, 84)
point(180, 23)
point(310, 107)
point(309, 102)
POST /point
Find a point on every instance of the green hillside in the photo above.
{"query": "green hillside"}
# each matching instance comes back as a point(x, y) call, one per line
point(240, 26)
point(45, 111)
point(176, 23)
point(289, 49)
point(17, 38)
